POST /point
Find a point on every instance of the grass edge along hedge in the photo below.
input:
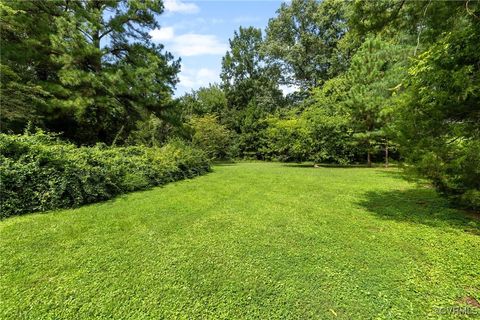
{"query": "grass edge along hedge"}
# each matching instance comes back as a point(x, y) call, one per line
point(39, 172)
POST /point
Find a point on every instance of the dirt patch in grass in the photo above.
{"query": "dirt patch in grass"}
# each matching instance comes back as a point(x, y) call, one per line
point(471, 301)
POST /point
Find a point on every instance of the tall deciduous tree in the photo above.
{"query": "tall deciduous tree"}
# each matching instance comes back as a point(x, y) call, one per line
point(305, 41)
point(246, 76)
point(206, 100)
point(251, 87)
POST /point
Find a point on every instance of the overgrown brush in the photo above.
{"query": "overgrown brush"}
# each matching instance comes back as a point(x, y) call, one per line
point(39, 172)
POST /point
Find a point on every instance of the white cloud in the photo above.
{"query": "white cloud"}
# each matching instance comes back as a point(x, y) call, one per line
point(191, 79)
point(193, 44)
point(198, 23)
point(180, 6)
point(189, 44)
point(162, 34)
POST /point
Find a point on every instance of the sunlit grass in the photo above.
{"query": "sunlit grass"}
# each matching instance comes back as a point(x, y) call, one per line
point(252, 240)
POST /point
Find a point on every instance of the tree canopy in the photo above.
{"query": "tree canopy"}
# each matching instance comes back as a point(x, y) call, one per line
point(91, 64)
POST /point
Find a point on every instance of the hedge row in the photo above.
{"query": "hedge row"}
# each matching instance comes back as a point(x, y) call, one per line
point(39, 172)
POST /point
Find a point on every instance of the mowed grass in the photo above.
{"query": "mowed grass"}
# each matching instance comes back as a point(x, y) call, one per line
point(252, 241)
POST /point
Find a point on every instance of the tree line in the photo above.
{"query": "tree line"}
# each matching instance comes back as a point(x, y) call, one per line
point(372, 81)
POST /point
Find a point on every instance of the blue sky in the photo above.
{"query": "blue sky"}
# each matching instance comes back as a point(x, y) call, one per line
point(198, 33)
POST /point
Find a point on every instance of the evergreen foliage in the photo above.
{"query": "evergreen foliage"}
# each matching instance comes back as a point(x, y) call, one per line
point(93, 74)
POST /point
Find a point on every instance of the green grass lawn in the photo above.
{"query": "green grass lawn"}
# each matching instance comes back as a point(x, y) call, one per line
point(251, 240)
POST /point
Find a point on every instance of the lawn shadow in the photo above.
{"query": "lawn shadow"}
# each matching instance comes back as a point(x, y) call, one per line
point(419, 205)
point(298, 165)
point(332, 165)
point(223, 163)
point(399, 174)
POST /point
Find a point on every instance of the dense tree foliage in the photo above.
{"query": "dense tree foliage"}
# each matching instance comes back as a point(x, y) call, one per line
point(372, 77)
point(305, 41)
point(207, 100)
point(438, 107)
point(251, 86)
point(92, 67)
point(211, 137)
point(246, 77)
point(440, 122)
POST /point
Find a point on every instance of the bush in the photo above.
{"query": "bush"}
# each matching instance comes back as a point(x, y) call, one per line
point(453, 169)
point(315, 135)
point(39, 172)
point(289, 139)
point(212, 137)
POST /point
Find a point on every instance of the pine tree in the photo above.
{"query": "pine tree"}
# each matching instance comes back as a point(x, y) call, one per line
point(96, 61)
point(372, 77)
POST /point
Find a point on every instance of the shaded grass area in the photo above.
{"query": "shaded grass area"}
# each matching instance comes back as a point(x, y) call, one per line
point(417, 206)
point(253, 240)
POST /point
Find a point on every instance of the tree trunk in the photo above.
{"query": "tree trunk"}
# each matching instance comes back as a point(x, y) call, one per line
point(97, 63)
point(369, 160)
point(386, 153)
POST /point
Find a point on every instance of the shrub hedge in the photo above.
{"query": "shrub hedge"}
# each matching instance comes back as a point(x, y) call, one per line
point(39, 172)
